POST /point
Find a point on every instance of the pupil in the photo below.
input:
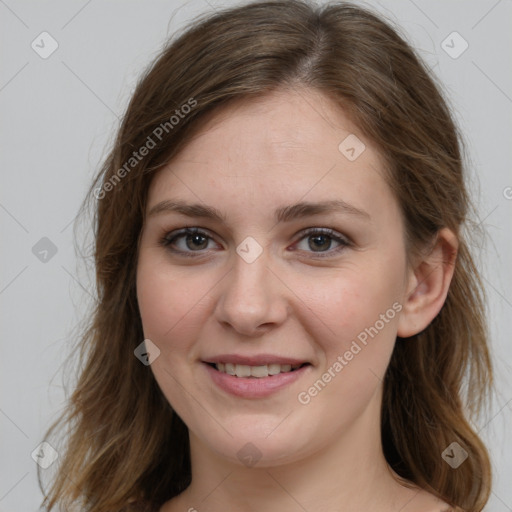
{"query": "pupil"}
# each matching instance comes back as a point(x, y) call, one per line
point(194, 239)
point(325, 245)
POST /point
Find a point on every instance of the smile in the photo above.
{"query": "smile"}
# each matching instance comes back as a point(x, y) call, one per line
point(257, 380)
point(258, 372)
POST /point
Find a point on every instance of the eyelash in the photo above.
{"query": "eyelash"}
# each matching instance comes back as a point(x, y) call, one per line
point(169, 238)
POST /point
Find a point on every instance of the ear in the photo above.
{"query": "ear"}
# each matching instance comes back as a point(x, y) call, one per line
point(427, 285)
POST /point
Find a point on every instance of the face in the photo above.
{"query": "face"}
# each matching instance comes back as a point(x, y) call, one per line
point(301, 303)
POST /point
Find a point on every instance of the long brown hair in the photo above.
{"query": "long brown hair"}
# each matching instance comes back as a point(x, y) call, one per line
point(124, 444)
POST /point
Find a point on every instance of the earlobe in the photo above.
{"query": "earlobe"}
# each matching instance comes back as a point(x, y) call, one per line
point(428, 285)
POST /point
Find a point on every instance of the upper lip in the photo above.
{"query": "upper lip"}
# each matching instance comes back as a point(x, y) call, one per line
point(256, 360)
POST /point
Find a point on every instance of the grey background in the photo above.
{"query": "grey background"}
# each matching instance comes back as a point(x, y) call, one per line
point(58, 116)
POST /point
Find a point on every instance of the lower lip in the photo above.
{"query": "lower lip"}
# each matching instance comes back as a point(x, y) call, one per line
point(253, 387)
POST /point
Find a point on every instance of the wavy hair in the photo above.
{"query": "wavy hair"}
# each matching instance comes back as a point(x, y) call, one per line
point(125, 448)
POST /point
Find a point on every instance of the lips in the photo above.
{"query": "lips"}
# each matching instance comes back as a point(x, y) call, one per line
point(254, 376)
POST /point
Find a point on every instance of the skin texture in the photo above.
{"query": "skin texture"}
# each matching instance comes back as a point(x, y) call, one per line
point(247, 161)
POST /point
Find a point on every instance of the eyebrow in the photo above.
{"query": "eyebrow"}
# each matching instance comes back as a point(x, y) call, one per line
point(283, 214)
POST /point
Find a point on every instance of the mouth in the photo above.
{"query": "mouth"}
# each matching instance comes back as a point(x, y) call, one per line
point(255, 377)
point(256, 372)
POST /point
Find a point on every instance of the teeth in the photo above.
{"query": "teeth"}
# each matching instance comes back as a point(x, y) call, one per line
point(274, 369)
point(242, 370)
point(259, 371)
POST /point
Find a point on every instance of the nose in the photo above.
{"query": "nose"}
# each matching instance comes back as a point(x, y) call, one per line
point(252, 298)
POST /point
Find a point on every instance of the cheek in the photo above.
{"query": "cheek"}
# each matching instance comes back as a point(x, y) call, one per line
point(360, 318)
point(171, 305)
point(359, 310)
point(172, 309)
point(351, 301)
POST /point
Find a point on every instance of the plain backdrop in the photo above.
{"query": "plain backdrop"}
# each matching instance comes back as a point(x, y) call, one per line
point(58, 116)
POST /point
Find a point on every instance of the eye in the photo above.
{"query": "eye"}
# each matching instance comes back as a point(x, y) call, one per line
point(187, 241)
point(193, 241)
point(320, 240)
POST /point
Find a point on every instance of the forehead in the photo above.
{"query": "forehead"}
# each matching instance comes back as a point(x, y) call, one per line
point(288, 145)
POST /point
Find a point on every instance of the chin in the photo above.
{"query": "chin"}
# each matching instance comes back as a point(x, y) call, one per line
point(256, 442)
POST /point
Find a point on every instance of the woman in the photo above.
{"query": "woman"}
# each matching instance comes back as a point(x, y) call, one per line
point(288, 315)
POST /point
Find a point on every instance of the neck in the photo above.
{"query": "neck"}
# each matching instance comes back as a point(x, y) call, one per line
point(350, 474)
